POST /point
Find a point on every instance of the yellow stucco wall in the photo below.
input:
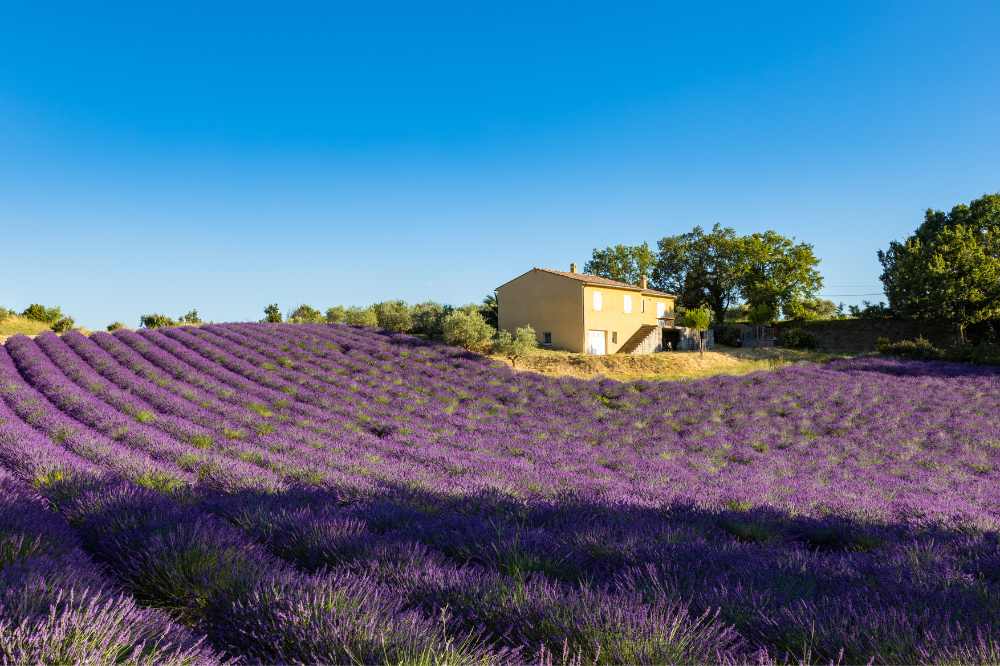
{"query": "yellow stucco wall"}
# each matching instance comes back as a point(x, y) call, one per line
point(612, 316)
point(546, 302)
point(565, 308)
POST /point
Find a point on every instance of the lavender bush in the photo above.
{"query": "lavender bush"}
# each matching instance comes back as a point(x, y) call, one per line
point(325, 493)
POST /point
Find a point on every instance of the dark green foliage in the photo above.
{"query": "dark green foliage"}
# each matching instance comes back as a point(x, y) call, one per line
point(156, 321)
point(114, 326)
point(393, 316)
point(719, 268)
point(797, 338)
point(272, 314)
point(39, 312)
point(701, 268)
point(949, 269)
point(490, 311)
point(306, 314)
point(63, 324)
point(869, 310)
point(923, 350)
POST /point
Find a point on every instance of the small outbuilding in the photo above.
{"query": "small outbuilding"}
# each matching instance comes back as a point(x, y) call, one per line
point(586, 313)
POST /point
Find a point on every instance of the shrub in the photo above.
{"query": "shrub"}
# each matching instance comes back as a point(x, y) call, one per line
point(515, 346)
point(394, 316)
point(5, 313)
point(467, 329)
point(336, 315)
point(797, 338)
point(306, 314)
point(357, 316)
point(39, 312)
point(982, 353)
point(428, 318)
point(272, 314)
point(921, 349)
point(156, 321)
point(62, 324)
point(191, 318)
point(114, 326)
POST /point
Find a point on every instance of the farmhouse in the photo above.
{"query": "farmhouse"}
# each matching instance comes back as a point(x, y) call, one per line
point(586, 313)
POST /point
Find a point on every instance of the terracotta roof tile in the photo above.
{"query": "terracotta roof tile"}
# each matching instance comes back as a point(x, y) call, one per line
point(604, 282)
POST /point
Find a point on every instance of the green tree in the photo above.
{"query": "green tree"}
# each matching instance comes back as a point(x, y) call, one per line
point(63, 324)
point(625, 263)
point(357, 316)
point(701, 268)
point(518, 345)
point(949, 269)
point(813, 308)
point(428, 318)
point(191, 317)
point(114, 326)
point(393, 316)
point(869, 310)
point(336, 315)
point(39, 312)
point(467, 329)
point(777, 272)
point(490, 310)
point(156, 321)
point(272, 314)
point(699, 319)
point(306, 314)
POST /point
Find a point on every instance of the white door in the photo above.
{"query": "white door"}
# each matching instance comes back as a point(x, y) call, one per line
point(595, 342)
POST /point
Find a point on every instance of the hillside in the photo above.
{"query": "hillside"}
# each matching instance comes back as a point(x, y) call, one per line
point(664, 366)
point(18, 325)
point(311, 493)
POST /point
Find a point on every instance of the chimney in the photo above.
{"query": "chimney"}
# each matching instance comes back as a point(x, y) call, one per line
point(572, 268)
point(644, 282)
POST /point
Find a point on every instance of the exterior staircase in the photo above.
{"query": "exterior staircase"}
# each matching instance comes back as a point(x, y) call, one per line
point(640, 342)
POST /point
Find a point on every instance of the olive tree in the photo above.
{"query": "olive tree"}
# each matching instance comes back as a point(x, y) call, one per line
point(393, 316)
point(467, 329)
point(699, 319)
point(518, 345)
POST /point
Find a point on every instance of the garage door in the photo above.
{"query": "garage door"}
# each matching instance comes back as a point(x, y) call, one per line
point(595, 342)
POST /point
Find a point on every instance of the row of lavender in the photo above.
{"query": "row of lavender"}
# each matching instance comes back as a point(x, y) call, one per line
point(621, 522)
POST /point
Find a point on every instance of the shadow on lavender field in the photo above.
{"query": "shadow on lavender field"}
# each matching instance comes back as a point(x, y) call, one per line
point(759, 584)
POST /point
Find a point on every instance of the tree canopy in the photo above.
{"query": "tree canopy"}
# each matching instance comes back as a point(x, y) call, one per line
point(515, 346)
point(625, 263)
point(949, 269)
point(721, 268)
point(306, 314)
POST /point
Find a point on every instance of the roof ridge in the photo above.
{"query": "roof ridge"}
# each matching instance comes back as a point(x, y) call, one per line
point(598, 279)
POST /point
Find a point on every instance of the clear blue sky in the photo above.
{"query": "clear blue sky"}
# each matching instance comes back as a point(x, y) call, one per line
point(225, 156)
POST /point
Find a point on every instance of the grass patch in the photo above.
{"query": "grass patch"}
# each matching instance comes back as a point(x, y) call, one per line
point(664, 366)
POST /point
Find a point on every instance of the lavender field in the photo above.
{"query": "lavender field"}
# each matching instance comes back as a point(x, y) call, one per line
point(328, 494)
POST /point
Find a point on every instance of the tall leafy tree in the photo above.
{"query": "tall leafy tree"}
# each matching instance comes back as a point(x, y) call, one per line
point(776, 272)
point(949, 269)
point(625, 263)
point(701, 268)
